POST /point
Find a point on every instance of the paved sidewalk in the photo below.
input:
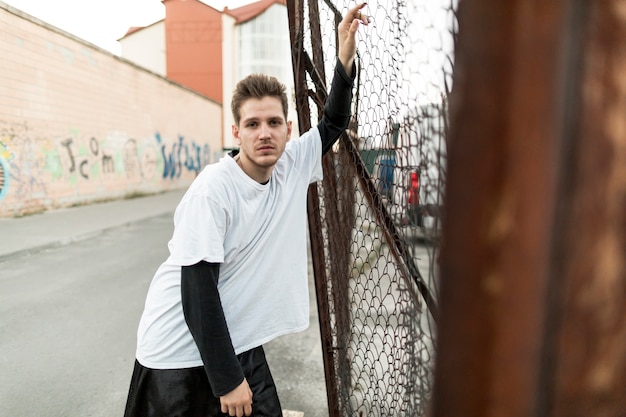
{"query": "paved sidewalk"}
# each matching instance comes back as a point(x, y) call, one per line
point(30, 234)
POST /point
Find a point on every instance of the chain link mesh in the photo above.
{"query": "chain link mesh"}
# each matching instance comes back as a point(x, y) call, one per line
point(377, 214)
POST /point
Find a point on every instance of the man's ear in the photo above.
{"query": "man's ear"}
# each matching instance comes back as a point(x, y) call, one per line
point(289, 128)
point(235, 131)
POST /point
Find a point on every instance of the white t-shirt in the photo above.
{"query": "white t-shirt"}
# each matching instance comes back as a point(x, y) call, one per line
point(258, 234)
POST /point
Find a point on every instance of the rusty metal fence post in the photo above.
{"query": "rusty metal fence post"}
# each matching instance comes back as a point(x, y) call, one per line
point(299, 58)
point(533, 265)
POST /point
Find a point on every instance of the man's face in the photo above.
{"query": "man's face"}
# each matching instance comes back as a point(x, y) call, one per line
point(262, 134)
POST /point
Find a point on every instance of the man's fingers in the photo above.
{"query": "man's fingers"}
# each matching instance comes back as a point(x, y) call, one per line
point(355, 12)
point(361, 16)
point(238, 402)
point(238, 411)
point(358, 7)
point(354, 27)
point(355, 15)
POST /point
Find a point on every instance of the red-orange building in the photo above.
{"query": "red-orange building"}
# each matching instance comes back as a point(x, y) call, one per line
point(193, 41)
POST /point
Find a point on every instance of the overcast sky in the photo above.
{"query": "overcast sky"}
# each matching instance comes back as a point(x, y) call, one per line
point(103, 22)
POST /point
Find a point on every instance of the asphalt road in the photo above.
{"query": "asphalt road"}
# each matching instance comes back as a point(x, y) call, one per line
point(68, 318)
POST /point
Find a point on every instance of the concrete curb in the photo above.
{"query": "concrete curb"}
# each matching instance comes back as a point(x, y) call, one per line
point(25, 236)
point(68, 240)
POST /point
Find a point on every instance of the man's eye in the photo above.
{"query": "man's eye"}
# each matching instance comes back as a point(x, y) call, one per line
point(251, 124)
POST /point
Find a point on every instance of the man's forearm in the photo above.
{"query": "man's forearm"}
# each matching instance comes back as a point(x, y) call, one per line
point(337, 107)
point(204, 315)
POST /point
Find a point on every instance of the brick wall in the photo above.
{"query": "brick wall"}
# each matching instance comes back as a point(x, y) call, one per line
point(78, 124)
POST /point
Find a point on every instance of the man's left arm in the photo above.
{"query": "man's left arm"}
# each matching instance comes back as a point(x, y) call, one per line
point(337, 107)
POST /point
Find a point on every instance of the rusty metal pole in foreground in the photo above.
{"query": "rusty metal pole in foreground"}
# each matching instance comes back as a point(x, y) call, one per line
point(533, 296)
point(295, 10)
point(589, 346)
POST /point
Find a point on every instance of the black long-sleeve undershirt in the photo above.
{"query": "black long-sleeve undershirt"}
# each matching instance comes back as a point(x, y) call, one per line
point(337, 107)
point(201, 302)
point(204, 315)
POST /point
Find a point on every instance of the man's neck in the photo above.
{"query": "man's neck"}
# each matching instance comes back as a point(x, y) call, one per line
point(261, 175)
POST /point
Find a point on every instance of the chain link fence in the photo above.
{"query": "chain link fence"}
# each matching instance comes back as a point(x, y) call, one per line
point(375, 219)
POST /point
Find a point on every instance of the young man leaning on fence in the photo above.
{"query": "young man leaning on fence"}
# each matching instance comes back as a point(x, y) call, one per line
point(236, 276)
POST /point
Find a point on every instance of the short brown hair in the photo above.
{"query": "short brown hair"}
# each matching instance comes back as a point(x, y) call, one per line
point(257, 86)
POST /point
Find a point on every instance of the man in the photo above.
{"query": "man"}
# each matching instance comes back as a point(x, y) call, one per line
point(236, 276)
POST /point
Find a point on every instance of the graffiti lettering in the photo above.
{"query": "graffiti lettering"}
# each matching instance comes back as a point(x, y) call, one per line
point(108, 164)
point(5, 156)
point(172, 166)
point(195, 157)
point(83, 174)
point(94, 146)
point(67, 143)
point(4, 183)
point(140, 163)
point(21, 165)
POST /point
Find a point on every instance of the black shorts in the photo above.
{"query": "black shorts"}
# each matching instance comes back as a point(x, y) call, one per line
point(187, 393)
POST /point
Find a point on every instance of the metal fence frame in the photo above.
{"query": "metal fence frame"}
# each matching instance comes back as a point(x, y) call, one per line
point(533, 299)
point(309, 69)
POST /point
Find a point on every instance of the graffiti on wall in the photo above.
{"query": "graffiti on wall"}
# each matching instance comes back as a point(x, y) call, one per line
point(81, 163)
point(92, 158)
point(21, 165)
point(141, 162)
point(5, 157)
point(181, 155)
point(29, 163)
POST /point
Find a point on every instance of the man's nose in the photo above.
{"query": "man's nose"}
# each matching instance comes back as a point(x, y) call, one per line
point(264, 131)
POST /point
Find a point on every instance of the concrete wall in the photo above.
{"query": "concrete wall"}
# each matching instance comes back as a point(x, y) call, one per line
point(78, 124)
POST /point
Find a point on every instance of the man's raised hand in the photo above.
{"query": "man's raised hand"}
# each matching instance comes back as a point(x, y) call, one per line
point(347, 35)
